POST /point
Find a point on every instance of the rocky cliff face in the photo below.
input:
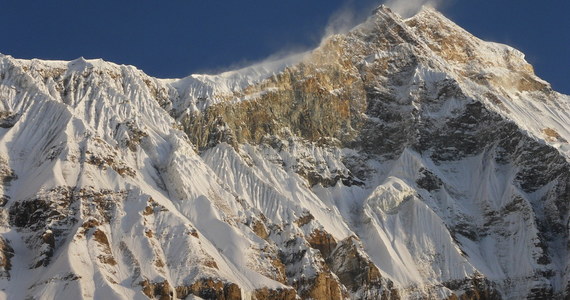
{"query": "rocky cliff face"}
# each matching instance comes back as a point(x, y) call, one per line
point(405, 159)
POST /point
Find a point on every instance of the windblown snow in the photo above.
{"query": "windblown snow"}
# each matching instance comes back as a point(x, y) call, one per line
point(405, 159)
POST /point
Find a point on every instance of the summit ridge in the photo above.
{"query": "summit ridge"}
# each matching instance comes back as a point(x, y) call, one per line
point(404, 159)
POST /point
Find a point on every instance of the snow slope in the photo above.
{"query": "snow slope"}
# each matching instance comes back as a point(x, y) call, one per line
point(405, 159)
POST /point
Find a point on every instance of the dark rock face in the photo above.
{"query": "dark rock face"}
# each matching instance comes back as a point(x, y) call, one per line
point(29, 214)
point(429, 181)
point(358, 274)
point(475, 288)
point(279, 294)
point(8, 119)
point(6, 254)
point(55, 208)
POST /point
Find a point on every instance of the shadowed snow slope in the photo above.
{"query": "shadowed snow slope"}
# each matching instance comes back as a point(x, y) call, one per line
point(405, 159)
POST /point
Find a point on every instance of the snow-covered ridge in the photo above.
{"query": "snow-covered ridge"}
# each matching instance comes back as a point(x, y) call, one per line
point(519, 94)
point(405, 159)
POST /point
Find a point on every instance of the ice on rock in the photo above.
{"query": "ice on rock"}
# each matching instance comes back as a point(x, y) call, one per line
point(404, 159)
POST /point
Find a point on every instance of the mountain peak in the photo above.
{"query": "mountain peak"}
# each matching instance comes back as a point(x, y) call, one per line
point(403, 159)
point(382, 8)
point(82, 64)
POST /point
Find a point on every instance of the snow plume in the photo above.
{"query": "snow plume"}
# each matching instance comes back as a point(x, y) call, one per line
point(348, 16)
point(272, 63)
point(355, 12)
point(408, 8)
point(340, 22)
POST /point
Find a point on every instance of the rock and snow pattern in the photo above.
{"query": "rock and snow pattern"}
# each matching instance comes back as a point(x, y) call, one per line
point(405, 159)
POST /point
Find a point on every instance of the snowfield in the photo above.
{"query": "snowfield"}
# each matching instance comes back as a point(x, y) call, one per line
point(405, 159)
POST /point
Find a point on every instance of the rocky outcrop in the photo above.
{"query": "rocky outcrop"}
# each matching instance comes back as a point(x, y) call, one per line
point(278, 294)
point(322, 241)
point(299, 99)
point(323, 286)
point(42, 220)
point(358, 274)
point(8, 119)
point(6, 254)
point(210, 289)
point(157, 290)
point(475, 288)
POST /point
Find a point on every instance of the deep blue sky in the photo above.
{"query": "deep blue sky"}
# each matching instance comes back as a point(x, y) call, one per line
point(174, 38)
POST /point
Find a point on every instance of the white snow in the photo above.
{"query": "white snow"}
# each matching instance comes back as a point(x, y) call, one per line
point(200, 202)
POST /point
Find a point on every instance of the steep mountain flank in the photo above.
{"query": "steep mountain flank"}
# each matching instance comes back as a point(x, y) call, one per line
point(405, 159)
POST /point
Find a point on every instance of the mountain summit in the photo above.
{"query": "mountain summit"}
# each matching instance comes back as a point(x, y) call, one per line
point(405, 159)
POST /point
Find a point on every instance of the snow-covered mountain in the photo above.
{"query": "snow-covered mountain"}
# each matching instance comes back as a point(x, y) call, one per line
point(405, 159)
